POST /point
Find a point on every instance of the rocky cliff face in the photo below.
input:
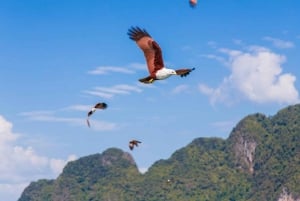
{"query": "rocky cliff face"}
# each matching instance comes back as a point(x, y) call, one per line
point(285, 196)
point(244, 150)
point(244, 139)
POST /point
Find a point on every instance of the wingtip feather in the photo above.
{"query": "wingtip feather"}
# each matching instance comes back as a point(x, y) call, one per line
point(104, 105)
point(136, 33)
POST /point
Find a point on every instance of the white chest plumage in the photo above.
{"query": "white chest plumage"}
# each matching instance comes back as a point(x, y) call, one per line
point(164, 73)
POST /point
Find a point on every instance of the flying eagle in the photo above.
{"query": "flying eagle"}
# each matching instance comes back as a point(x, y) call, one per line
point(133, 143)
point(97, 106)
point(193, 3)
point(153, 56)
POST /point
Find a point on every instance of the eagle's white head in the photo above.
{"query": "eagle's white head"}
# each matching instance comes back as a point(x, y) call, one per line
point(172, 72)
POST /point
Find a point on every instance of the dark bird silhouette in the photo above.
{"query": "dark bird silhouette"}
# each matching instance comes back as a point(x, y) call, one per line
point(97, 106)
point(153, 56)
point(133, 143)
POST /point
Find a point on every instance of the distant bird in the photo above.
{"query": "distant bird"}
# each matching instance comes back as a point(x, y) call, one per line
point(97, 106)
point(133, 143)
point(153, 56)
point(193, 3)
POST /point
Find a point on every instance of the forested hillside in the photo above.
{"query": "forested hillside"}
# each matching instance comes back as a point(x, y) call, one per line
point(260, 160)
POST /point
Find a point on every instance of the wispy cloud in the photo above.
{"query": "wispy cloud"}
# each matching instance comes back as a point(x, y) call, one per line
point(78, 107)
point(180, 88)
point(128, 69)
point(102, 125)
point(256, 74)
point(138, 66)
point(215, 57)
point(95, 92)
point(212, 44)
point(238, 42)
point(13, 179)
point(107, 69)
point(279, 43)
point(50, 116)
point(109, 92)
point(37, 113)
point(186, 48)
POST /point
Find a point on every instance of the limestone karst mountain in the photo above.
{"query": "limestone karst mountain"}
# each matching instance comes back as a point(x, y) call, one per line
point(260, 160)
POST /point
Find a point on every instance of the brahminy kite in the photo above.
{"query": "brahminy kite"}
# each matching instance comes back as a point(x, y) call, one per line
point(97, 106)
point(133, 143)
point(153, 56)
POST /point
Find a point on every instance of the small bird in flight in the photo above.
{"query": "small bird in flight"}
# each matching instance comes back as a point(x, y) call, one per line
point(97, 106)
point(153, 56)
point(133, 143)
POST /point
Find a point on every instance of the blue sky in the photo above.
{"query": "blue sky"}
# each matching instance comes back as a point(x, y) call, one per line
point(59, 58)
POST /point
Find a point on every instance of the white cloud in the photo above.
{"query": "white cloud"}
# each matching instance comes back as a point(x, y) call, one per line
point(279, 43)
point(95, 92)
point(78, 107)
point(138, 66)
point(206, 90)
point(109, 92)
point(187, 48)
point(48, 116)
point(37, 114)
point(257, 75)
point(5, 136)
point(212, 44)
point(102, 125)
point(215, 57)
point(21, 165)
point(180, 88)
point(129, 69)
point(106, 69)
point(238, 42)
point(58, 164)
point(52, 118)
point(11, 191)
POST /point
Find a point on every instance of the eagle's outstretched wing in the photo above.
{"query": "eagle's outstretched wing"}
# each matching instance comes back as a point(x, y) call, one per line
point(151, 49)
point(184, 72)
point(101, 106)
